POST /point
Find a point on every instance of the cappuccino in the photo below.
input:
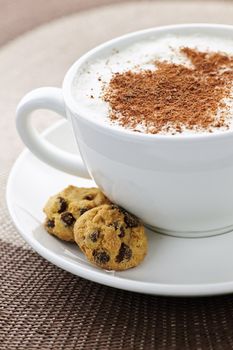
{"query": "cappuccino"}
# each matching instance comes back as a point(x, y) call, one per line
point(174, 85)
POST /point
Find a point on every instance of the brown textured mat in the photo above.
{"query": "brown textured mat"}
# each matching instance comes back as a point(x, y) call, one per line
point(43, 307)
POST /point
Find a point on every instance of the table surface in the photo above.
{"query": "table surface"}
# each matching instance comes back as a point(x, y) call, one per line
point(41, 306)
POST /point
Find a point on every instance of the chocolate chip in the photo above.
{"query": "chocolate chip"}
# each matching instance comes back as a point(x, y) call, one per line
point(89, 197)
point(130, 219)
point(68, 218)
point(50, 223)
point(63, 205)
point(94, 235)
point(100, 257)
point(82, 210)
point(125, 253)
point(122, 232)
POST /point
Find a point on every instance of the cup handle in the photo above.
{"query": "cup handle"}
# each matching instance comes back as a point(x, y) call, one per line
point(46, 98)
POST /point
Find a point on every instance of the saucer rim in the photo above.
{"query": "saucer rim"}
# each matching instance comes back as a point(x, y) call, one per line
point(160, 289)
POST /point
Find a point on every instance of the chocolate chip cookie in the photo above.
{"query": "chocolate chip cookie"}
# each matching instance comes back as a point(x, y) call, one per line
point(63, 209)
point(111, 237)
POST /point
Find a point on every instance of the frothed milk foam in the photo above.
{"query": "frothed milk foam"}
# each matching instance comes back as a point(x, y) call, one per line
point(95, 75)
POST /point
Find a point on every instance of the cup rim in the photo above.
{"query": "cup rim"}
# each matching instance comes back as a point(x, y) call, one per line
point(79, 112)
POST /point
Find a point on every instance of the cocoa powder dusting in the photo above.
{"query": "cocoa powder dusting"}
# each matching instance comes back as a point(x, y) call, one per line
point(174, 97)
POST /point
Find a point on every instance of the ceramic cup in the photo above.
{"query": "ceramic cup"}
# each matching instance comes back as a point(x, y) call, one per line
point(178, 185)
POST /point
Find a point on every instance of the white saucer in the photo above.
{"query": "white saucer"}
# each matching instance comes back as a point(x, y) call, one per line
point(173, 266)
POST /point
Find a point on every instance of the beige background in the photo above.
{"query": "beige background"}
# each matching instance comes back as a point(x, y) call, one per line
point(42, 56)
point(20, 16)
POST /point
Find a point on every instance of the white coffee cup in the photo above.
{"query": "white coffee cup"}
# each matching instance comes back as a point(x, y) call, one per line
point(182, 186)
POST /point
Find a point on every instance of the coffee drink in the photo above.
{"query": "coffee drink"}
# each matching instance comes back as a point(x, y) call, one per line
point(175, 85)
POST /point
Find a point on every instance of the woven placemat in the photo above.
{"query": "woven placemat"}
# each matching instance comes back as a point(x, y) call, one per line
point(44, 307)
